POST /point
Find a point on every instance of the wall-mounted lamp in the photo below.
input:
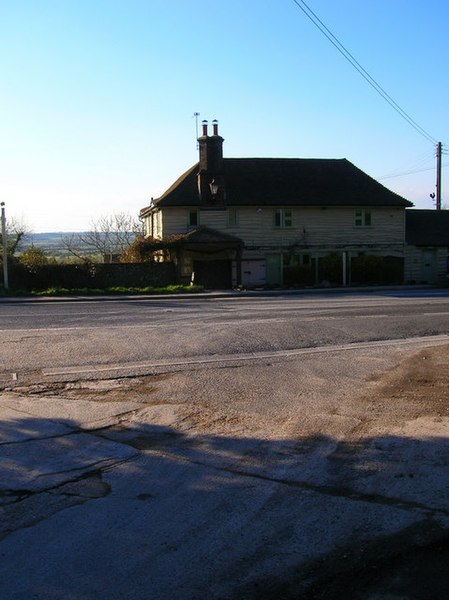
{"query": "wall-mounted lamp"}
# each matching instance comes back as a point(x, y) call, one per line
point(213, 187)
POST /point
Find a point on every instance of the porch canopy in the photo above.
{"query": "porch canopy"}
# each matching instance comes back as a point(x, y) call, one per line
point(202, 243)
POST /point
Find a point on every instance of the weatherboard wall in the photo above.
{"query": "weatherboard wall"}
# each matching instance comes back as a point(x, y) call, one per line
point(426, 265)
point(311, 226)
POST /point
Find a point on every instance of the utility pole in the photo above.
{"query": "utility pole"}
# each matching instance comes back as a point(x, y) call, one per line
point(438, 185)
point(4, 246)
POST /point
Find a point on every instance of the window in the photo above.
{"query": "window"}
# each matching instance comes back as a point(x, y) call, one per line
point(362, 218)
point(233, 216)
point(283, 217)
point(155, 224)
point(193, 217)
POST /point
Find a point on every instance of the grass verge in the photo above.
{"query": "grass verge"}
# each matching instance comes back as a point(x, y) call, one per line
point(117, 290)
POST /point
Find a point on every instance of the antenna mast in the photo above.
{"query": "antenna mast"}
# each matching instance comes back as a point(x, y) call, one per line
point(196, 115)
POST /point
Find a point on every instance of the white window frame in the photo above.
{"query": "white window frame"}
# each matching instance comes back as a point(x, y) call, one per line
point(283, 218)
point(363, 217)
point(156, 224)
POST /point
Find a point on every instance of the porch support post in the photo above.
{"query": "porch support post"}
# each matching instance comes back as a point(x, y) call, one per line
point(349, 268)
point(179, 263)
point(238, 265)
point(344, 267)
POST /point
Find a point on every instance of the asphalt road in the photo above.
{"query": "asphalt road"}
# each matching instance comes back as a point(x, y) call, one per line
point(315, 470)
point(147, 335)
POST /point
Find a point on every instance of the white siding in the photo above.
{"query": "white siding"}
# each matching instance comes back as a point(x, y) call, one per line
point(311, 228)
point(176, 220)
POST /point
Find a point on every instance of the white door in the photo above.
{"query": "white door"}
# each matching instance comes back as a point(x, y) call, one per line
point(253, 273)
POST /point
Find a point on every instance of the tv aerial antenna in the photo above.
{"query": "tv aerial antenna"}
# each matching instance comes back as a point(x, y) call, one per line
point(196, 115)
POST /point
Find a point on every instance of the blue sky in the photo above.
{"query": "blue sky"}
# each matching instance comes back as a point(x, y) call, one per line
point(97, 96)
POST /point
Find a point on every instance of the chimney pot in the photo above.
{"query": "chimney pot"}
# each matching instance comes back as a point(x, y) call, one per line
point(204, 124)
point(215, 126)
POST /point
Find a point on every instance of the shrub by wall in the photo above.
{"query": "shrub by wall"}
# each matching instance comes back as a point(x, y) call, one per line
point(361, 270)
point(93, 276)
point(366, 269)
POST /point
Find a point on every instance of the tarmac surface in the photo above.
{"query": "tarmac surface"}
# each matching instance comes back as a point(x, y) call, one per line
point(334, 485)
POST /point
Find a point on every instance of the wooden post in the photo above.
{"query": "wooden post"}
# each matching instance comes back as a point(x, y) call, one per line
point(438, 185)
point(5, 249)
point(238, 266)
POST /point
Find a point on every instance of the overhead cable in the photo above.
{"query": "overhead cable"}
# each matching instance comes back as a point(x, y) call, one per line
point(418, 163)
point(358, 67)
point(409, 173)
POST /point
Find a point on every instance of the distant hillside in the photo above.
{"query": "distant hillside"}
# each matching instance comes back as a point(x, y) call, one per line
point(44, 239)
point(52, 243)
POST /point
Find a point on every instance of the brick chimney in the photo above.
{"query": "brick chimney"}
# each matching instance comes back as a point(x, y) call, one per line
point(210, 175)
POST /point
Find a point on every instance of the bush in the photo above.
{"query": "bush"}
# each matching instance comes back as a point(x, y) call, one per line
point(33, 259)
point(366, 269)
point(90, 276)
point(330, 269)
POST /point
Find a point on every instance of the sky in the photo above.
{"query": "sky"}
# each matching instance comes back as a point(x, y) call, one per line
point(97, 96)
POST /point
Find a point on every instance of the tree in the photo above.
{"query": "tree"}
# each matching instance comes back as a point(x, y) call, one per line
point(109, 238)
point(16, 230)
point(139, 251)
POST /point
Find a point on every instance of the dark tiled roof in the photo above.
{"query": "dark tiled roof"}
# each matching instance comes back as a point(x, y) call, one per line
point(200, 235)
point(287, 181)
point(427, 227)
point(206, 235)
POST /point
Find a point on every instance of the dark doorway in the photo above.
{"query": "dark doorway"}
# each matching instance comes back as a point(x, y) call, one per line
point(213, 274)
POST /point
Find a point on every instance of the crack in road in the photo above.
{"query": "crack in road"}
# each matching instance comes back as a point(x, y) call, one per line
point(328, 490)
point(337, 491)
point(41, 438)
point(27, 508)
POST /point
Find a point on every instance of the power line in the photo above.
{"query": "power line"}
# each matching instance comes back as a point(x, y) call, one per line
point(358, 67)
point(409, 172)
point(412, 165)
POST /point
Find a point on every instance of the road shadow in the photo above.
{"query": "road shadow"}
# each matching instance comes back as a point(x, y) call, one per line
point(144, 511)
